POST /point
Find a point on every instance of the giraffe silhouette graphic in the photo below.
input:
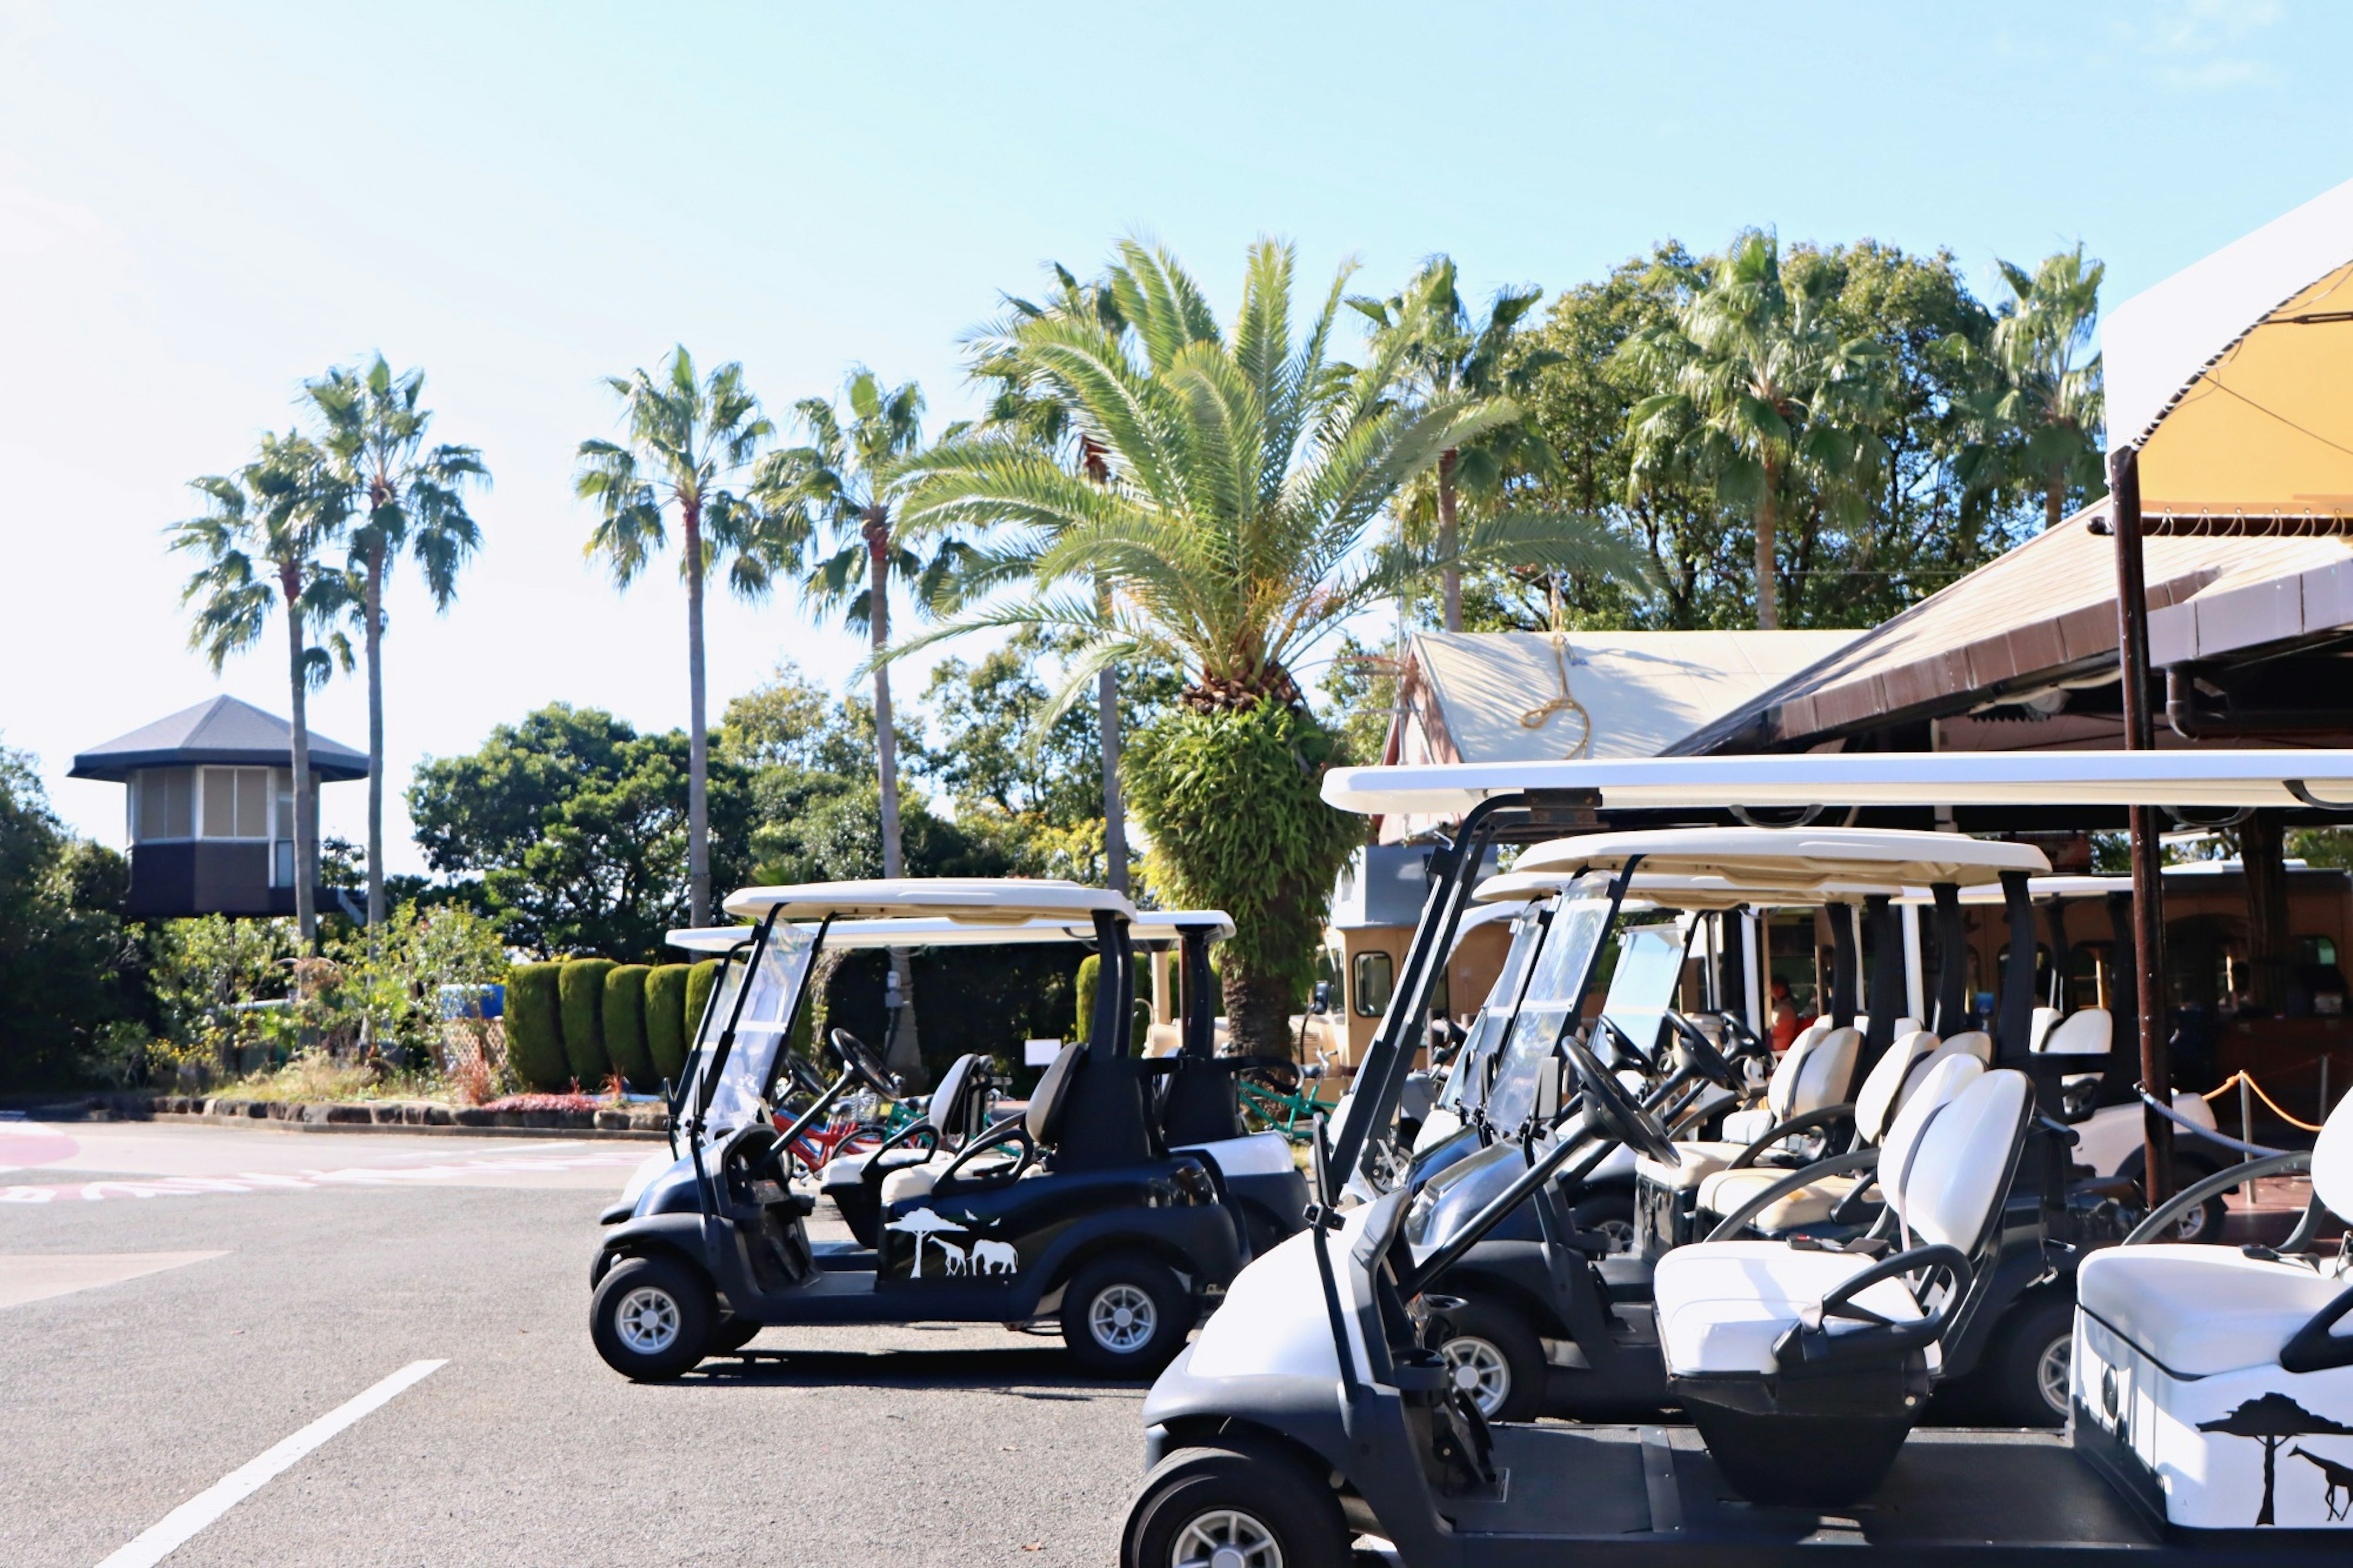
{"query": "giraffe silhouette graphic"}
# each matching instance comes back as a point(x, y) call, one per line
point(2272, 1421)
point(925, 1225)
point(2339, 1476)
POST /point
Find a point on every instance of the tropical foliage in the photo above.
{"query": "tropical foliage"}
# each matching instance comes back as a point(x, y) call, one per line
point(69, 968)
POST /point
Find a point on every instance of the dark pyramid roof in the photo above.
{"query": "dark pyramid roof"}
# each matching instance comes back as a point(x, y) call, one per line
point(221, 730)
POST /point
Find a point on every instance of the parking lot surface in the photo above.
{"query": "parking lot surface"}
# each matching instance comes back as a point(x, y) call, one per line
point(179, 1300)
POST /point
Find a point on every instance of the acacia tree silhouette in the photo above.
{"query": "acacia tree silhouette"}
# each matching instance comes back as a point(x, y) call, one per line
point(2271, 1421)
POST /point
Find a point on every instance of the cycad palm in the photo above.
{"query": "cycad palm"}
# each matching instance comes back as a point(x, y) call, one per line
point(1759, 390)
point(263, 543)
point(403, 497)
point(688, 441)
point(2038, 413)
point(1247, 476)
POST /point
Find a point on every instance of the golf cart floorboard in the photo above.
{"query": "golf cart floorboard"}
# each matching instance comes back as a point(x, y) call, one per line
point(1650, 1495)
point(838, 1295)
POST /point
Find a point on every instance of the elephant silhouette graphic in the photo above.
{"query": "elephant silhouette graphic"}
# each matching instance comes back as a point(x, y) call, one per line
point(994, 1258)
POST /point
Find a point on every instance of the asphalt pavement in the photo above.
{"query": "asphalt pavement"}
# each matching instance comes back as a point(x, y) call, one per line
point(179, 1300)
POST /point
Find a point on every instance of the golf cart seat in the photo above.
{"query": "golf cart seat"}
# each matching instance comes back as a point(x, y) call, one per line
point(858, 1184)
point(2196, 1366)
point(1805, 1367)
point(2085, 1032)
point(1813, 1075)
point(1882, 1096)
point(1042, 1122)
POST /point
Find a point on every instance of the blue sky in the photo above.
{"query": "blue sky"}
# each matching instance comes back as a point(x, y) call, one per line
point(200, 206)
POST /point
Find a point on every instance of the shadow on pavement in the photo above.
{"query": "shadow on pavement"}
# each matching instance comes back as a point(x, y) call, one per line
point(1030, 1374)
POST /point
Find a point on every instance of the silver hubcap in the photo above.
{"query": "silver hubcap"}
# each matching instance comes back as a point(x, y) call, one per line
point(1122, 1318)
point(2191, 1226)
point(1621, 1233)
point(647, 1321)
point(1225, 1537)
point(2052, 1370)
point(1480, 1370)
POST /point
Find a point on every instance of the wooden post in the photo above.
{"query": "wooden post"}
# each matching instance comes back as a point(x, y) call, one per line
point(2262, 853)
point(2147, 864)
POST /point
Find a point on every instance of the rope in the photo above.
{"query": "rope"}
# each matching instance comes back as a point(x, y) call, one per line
point(1538, 717)
point(2243, 1075)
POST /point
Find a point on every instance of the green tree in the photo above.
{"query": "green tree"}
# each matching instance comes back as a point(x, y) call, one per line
point(576, 827)
point(2037, 413)
point(403, 497)
point(687, 440)
point(262, 542)
point(68, 968)
point(1249, 472)
point(1761, 392)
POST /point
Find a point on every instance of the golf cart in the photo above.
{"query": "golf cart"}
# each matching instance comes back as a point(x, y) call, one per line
point(1320, 1409)
point(1073, 1211)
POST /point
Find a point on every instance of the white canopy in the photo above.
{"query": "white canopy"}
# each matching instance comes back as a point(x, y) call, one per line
point(2183, 778)
point(1154, 925)
point(1775, 859)
point(1676, 891)
point(971, 900)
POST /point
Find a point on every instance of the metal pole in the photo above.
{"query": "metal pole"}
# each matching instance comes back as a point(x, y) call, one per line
point(2147, 866)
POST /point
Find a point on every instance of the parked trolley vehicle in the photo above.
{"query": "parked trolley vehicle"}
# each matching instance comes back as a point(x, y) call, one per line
point(1076, 1211)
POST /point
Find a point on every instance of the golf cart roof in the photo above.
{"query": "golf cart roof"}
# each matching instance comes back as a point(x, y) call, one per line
point(1152, 925)
point(2179, 778)
point(967, 900)
point(1793, 859)
point(1678, 891)
point(709, 939)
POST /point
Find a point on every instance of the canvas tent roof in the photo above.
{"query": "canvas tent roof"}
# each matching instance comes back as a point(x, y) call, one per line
point(222, 730)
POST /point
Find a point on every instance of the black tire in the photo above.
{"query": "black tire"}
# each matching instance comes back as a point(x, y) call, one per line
point(1213, 1494)
point(2022, 1381)
point(1496, 1342)
point(2204, 1222)
point(731, 1334)
point(651, 1319)
point(1127, 1315)
point(1611, 1214)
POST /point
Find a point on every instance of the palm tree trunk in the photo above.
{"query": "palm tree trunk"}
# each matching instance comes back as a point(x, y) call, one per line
point(1114, 809)
point(905, 1054)
point(2054, 500)
point(698, 739)
point(375, 910)
point(306, 849)
point(1449, 576)
point(1768, 609)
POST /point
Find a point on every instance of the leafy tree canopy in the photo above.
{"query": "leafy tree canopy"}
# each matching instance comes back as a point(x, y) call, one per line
point(68, 967)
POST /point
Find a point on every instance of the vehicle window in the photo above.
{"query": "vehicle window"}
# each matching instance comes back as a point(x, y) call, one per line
point(1556, 986)
point(1373, 978)
point(1650, 967)
point(1466, 1086)
point(772, 989)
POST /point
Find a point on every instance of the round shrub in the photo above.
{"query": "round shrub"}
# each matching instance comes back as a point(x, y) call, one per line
point(625, 1025)
point(535, 1026)
point(700, 981)
point(666, 1019)
point(581, 989)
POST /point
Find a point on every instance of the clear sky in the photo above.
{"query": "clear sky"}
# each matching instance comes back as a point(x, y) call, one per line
point(202, 204)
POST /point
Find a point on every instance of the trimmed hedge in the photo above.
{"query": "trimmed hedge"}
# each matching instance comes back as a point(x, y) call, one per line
point(700, 981)
point(581, 988)
point(625, 1025)
point(1084, 986)
point(666, 1027)
point(535, 1026)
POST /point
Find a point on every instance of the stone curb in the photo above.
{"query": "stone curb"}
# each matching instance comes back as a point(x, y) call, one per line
point(390, 1116)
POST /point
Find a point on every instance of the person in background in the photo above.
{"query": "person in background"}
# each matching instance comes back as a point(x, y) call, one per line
point(1785, 1015)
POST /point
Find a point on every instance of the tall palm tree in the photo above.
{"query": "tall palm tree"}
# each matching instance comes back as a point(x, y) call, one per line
point(262, 542)
point(402, 496)
point(1451, 353)
point(1248, 473)
point(2037, 416)
point(843, 484)
point(687, 440)
point(1759, 393)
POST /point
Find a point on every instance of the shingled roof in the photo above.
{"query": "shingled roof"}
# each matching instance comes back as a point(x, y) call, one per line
point(221, 731)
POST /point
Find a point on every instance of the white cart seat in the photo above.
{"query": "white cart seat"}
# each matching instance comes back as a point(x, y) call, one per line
point(1727, 1191)
point(2201, 1310)
point(1701, 1159)
point(1722, 1304)
point(910, 1181)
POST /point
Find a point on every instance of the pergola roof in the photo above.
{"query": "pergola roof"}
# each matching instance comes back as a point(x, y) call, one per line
point(223, 732)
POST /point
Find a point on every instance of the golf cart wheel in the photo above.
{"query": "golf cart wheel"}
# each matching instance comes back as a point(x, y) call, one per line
point(1611, 1215)
point(1239, 1505)
point(1125, 1315)
point(1497, 1360)
point(2025, 1378)
point(2204, 1222)
point(651, 1319)
point(731, 1334)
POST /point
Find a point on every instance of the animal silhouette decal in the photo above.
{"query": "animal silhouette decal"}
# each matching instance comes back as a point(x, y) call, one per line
point(984, 1258)
point(2272, 1421)
point(2339, 1476)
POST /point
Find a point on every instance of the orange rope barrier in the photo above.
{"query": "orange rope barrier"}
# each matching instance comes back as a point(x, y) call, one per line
point(2243, 1075)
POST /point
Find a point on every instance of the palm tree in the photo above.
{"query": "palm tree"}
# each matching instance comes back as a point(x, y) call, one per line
point(687, 439)
point(843, 483)
point(1451, 353)
point(263, 539)
point(402, 496)
point(2037, 417)
point(1760, 393)
point(1248, 475)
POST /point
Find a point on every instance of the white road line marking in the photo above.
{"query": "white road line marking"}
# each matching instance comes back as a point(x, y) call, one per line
point(177, 1526)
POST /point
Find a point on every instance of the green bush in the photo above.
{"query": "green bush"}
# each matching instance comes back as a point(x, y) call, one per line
point(625, 1025)
point(666, 1019)
point(535, 1028)
point(700, 981)
point(1140, 1022)
point(581, 986)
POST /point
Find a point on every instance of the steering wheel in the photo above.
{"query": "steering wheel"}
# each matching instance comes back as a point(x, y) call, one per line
point(1624, 1051)
point(1698, 1053)
point(1619, 1114)
point(859, 1059)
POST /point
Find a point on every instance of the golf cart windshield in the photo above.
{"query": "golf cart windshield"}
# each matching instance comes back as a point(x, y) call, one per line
point(1649, 967)
point(1466, 1086)
point(1555, 986)
point(761, 1026)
